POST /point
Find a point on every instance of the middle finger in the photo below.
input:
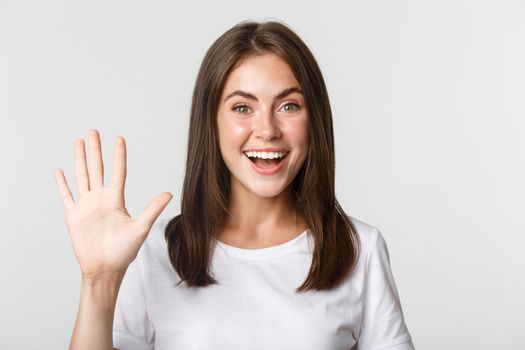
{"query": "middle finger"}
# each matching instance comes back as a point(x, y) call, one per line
point(96, 167)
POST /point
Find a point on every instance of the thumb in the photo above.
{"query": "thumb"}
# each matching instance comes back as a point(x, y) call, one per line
point(148, 217)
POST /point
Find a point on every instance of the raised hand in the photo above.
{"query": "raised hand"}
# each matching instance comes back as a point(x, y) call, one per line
point(105, 238)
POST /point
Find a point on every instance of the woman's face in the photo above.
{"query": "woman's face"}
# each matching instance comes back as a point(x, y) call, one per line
point(262, 109)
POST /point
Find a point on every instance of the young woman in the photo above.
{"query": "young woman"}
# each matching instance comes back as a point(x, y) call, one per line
point(262, 256)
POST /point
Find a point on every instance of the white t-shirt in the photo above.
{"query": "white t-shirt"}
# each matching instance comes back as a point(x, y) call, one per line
point(255, 306)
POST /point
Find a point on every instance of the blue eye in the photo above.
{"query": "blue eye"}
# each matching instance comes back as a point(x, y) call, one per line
point(238, 109)
point(295, 105)
point(289, 107)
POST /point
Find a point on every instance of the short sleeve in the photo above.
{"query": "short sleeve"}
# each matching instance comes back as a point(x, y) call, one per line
point(132, 328)
point(383, 325)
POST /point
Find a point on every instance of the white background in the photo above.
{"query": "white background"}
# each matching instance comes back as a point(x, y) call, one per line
point(429, 111)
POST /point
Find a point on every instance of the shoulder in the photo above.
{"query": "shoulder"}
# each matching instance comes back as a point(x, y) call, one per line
point(371, 239)
point(155, 244)
point(153, 255)
point(367, 232)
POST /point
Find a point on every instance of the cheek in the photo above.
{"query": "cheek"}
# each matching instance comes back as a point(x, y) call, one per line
point(238, 129)
point(232, 132)
point(298, 133)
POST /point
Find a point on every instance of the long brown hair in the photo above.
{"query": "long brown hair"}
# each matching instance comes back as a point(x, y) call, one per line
point(206, 189)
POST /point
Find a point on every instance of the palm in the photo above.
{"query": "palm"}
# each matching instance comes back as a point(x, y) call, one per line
point(105, 237)
point(95, 214)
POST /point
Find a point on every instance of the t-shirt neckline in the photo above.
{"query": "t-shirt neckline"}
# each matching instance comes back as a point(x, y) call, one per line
point(263, 253)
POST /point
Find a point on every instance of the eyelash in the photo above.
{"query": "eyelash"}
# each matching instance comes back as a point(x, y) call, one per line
point(235, 109)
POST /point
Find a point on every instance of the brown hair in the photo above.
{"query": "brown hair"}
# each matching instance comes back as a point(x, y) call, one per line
point(206, 189)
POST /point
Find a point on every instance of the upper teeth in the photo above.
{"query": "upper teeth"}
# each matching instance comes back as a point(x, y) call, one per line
point(265, 155)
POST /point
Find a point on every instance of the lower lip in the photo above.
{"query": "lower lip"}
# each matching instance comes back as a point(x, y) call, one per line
point(267, 171)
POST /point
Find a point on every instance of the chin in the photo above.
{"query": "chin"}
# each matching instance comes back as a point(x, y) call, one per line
point(268, 191)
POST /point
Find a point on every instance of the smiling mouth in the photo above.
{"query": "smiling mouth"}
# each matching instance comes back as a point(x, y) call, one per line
point(266, 163)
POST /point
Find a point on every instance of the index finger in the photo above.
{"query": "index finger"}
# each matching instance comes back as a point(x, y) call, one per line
point(118, 179)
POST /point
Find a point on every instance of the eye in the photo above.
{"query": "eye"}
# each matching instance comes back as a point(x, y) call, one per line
point(241, 109)
point(294, 105)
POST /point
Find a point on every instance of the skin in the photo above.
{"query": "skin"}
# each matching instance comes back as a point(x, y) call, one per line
point(105, 238)
point(261, 207)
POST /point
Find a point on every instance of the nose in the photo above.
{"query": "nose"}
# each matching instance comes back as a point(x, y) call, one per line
point(266, 127)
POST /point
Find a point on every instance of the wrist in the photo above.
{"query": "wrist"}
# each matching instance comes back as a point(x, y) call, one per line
point(103, 279)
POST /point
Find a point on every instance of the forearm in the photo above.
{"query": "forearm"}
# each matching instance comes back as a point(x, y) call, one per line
point(94, 323)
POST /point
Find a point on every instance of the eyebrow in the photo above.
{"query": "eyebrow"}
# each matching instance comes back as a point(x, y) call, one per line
point(251, 96)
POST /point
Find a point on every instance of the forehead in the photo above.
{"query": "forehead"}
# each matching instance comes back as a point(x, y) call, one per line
point(267, 72)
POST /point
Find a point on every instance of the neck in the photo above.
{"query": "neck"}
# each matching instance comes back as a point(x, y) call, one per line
point(254, 218)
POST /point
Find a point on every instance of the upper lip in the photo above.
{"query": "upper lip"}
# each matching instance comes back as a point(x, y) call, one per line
point(271, 149)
